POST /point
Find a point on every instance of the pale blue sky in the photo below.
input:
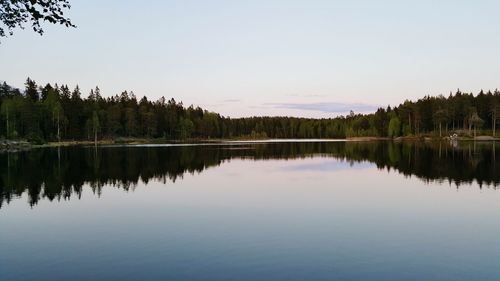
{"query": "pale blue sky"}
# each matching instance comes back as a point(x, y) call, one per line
point(241, 58)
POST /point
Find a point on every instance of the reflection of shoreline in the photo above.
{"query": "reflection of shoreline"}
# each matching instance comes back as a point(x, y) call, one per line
point(58, 172)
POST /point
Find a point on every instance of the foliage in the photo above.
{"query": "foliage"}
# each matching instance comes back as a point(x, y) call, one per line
point(16, 13)
point(394, 127)
point(57, 113)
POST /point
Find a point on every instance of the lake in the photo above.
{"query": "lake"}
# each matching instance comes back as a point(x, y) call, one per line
point(252, 211)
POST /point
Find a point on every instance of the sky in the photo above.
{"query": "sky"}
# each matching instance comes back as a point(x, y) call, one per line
point(274, 57)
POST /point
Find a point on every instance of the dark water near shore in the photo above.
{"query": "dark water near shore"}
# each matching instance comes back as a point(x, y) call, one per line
point(252, 211)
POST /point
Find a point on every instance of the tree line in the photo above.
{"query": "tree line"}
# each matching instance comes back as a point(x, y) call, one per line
point(55, 113)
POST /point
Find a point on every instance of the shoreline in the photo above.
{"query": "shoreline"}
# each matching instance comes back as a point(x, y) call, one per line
point(15, 145)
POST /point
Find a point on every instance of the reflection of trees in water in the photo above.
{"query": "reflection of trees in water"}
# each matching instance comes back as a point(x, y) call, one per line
point(57, 173)
point(438, 162)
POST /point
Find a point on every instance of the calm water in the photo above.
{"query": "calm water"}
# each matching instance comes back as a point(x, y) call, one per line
point(252, 211)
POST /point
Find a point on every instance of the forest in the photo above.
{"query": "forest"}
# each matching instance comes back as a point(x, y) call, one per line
point(51, 113)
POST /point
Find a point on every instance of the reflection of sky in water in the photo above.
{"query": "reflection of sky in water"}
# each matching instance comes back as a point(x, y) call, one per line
point(259, 220)
point(329, 165)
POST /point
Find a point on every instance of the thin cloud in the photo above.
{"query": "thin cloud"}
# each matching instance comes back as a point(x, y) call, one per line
point(307, 95)
point(314, 96)
point(327, 107)
point(232, 100)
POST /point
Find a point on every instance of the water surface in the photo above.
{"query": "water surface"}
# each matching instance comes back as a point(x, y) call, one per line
point(252, 211)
